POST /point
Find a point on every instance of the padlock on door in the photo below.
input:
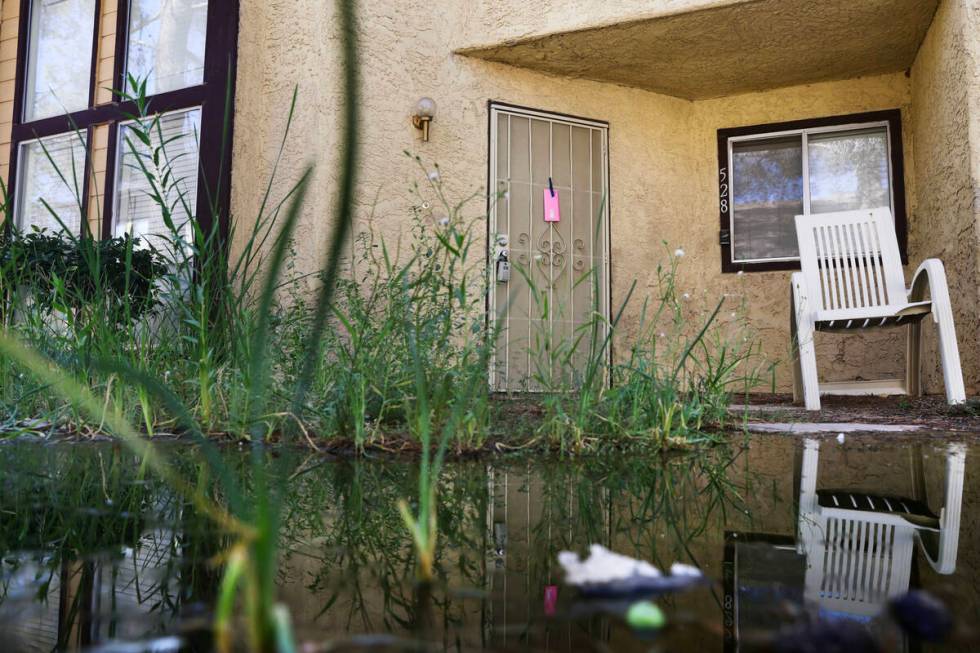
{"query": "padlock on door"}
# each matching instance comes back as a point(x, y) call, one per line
point(503, 267)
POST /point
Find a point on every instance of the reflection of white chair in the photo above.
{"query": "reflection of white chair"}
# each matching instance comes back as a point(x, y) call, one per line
point(859, 547)
point(851, 278)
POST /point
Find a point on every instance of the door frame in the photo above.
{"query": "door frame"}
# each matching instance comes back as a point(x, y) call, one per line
point(494, 109)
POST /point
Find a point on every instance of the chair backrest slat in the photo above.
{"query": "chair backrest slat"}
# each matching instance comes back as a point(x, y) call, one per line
point(857, 563)
point(862, 263)
point(850, 259)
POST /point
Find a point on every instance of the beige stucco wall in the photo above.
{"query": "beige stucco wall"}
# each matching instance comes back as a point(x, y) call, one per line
point(493, 21)
point(662, 149)
point(946, 128)
point(712, 49)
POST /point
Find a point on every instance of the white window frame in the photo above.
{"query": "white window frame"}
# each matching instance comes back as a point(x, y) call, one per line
point(804, 136)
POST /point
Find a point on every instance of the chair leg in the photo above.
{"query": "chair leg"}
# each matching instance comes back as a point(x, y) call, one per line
point(808, 505)
point(947, 547)
point(950, 355)
point(805, 355)
point(913, 361)
point(932, 274)
point(794, 344)
point(808, 369)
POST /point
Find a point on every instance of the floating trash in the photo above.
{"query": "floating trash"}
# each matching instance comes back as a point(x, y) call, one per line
point(605, 573)
point(646, 615)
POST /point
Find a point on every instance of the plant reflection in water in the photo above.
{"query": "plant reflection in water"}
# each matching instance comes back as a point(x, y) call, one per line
point(96, 550)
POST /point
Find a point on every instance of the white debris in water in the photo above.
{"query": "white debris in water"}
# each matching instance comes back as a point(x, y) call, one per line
point(840, 438)
point(603, 566)
point(167, 644)
point(829, 427)
point(680, 569)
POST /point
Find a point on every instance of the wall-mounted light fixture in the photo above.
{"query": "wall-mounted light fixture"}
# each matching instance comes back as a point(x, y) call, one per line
point(424, 111)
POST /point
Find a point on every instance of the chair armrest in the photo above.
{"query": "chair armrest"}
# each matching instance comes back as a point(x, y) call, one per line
point(941, 551)
point(932, 275)
point(930, 272)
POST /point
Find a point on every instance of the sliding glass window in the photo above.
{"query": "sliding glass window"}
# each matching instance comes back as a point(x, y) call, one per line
point(769, 174)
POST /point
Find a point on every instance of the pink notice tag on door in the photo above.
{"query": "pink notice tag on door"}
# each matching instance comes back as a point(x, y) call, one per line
point(552, 210)
point(550, 600)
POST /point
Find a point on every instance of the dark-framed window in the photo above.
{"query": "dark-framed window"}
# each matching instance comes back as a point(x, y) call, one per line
point(185, 50)
point(768, 174)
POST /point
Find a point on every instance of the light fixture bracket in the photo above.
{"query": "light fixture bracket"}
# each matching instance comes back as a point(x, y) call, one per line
point(422, 122)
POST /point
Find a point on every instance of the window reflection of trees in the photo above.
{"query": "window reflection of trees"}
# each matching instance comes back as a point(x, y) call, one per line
point(167, 42)
point(58, 79)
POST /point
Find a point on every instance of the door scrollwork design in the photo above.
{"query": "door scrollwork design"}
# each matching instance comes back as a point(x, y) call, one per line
point(550, 255)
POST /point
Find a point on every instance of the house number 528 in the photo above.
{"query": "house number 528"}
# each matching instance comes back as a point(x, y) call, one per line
point(723, 189)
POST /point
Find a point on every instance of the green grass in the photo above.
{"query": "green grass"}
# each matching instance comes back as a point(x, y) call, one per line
point(403, 351)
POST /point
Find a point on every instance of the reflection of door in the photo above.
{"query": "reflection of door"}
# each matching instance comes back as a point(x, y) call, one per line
point(558, 287)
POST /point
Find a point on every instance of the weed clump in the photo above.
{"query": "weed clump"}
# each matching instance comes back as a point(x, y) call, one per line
point(398, 348)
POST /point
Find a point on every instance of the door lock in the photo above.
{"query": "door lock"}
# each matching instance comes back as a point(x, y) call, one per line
point(503, 267)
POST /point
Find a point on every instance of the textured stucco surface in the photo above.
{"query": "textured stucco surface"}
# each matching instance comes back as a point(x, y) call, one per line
point(662, 151)
point(486, 23)
point(731, 48)
point(946, 129)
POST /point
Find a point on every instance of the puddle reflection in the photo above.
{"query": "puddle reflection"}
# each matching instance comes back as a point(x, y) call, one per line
point(853, 551)
point(94, 553)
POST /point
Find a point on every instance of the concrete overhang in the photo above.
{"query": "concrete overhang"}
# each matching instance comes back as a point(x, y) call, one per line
point(731, 48)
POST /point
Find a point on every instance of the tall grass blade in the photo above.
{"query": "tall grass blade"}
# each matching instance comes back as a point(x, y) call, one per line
point(349, 128)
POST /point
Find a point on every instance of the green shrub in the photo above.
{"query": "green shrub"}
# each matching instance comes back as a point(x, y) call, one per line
point(61, 272)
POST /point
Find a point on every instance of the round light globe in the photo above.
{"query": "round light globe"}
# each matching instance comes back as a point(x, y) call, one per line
point(426, 107)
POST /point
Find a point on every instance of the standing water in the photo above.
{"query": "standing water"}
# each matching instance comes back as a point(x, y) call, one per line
point(806, 544)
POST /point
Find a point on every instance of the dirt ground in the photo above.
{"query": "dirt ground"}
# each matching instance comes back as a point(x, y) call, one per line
point(931, 413)
point(516, 419)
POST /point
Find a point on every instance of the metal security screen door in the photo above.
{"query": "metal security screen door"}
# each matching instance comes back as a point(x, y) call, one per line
point(549, 252)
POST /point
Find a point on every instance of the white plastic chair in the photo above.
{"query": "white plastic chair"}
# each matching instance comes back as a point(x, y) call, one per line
point(851, 278)
point(858, 547)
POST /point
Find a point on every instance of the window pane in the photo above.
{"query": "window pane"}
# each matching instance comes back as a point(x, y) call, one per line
point(767, 178)
point(174, 178)
point(59, 68)
point(51, 169)
point(166, 43)
point(849, 170)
